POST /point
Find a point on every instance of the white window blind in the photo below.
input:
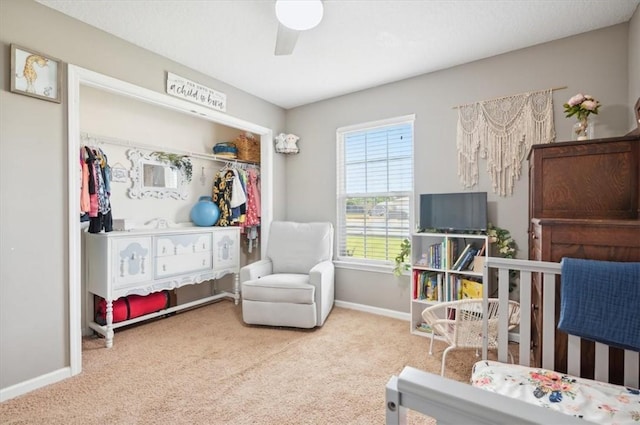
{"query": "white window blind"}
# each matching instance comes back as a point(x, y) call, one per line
point(374, 194)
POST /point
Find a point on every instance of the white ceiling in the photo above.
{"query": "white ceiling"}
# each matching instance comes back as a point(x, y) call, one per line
point(359, 43)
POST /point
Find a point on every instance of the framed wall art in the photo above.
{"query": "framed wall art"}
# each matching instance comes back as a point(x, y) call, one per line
point(35, 74)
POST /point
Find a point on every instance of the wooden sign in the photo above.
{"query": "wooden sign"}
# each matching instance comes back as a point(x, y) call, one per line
point(196, 93)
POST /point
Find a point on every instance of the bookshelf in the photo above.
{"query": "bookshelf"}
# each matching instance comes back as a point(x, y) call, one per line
point(444, 267)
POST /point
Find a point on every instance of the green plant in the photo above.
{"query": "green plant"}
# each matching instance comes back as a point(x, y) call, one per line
point(401, 259)
point(181, 162)
point(501, 238)
point(505, 246)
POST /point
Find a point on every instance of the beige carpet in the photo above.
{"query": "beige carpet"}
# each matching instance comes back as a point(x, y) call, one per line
point(205, 366)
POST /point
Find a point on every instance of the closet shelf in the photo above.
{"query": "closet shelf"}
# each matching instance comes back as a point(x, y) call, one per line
point(91, 139)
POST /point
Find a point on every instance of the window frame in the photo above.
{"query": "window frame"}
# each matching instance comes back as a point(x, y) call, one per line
point(385, 266)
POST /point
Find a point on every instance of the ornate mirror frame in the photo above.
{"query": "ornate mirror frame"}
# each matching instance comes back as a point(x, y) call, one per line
point(139, 190)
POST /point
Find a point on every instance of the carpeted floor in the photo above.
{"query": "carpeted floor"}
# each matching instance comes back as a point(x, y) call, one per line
point(205, 366)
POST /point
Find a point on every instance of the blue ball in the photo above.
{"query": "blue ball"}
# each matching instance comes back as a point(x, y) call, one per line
point(205, 212)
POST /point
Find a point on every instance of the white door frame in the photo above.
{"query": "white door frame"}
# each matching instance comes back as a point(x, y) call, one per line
point(76, 77)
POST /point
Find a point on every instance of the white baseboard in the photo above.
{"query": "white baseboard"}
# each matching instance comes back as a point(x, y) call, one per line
point(513, 337)
point(374, 310)
point(35, 383)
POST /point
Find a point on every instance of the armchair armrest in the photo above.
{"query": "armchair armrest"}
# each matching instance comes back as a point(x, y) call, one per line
point(322, 274)
point(256, 270)
point(322, 277)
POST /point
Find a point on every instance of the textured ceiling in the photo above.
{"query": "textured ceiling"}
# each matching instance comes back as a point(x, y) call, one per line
point(359, 43)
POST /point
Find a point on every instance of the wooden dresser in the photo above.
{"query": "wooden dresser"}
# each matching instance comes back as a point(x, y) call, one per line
point(583, 203)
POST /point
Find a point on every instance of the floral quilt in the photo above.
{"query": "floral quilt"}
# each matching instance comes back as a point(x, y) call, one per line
point(593, 401)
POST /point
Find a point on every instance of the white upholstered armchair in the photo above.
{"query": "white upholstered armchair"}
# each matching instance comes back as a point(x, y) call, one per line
point(294, 285)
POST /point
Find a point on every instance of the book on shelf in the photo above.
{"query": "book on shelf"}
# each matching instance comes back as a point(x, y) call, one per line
point(424, 327)
point(478, 263)
point(484, 247)
point(467, 259)
point(470, 288)
point(427, 285)
point(420, 284)
point(466, 249)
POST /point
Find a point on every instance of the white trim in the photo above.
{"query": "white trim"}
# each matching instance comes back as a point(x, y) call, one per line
point(375, 124)
point(77, 76)
point(374, 310)
point(34, 383)
point(74, 254)
point(363, 266)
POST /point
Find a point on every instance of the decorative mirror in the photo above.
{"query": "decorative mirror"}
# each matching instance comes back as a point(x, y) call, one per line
point(156, 175)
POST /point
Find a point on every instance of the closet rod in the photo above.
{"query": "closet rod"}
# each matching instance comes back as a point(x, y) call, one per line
point(88, 138)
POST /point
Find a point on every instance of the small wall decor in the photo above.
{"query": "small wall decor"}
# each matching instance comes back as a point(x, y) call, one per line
point(35, 74)
point(287, 143)
point(186, 89)
point(119, 173)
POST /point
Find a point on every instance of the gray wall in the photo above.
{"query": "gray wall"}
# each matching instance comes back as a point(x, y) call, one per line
point(34, 310)
point(594, 63)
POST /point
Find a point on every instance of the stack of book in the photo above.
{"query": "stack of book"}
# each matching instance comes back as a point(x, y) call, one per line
point(427, 285)
point(465, 259)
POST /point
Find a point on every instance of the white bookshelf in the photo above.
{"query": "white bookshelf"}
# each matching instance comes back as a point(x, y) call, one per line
point(439, 266)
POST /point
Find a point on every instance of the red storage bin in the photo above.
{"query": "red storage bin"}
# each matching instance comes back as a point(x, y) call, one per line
point(120, 310)
point(131, 306)
point(140, 305)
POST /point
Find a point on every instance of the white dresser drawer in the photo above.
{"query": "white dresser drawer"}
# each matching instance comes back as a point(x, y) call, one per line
point(167, 245)
point(180, 264)
point(133, 260)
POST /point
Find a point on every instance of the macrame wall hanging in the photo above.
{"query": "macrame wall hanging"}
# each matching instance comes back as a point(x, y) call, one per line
point(502, 131)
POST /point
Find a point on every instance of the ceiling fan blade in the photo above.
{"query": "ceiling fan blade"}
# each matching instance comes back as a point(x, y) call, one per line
point(285, 40)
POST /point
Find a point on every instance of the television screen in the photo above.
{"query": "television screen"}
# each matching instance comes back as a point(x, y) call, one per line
point(454, 211)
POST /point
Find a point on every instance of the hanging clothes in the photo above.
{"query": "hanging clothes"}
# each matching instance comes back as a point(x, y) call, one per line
point(222, 187)
point(253, 199)
point(253, 207)
point(84, 185)
point(238, 198)
point(236, 191)
point(99, 188)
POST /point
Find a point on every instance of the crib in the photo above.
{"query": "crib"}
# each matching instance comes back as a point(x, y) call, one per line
point(452, 402)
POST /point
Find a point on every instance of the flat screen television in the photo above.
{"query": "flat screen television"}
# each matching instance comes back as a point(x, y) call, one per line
point(465, 211)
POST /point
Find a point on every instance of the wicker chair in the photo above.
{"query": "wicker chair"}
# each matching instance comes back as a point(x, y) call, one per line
point(459, 323)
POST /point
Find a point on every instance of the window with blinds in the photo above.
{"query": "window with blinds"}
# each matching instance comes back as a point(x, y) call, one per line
point(374, 195)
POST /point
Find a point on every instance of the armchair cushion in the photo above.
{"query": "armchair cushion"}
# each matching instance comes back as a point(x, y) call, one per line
point(297, 247)
point(284, 288)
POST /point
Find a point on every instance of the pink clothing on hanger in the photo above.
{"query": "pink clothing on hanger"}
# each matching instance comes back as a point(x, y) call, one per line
point(84, 189)
point(253, 199)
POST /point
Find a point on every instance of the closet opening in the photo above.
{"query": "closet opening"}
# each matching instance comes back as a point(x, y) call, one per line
point(88, 89)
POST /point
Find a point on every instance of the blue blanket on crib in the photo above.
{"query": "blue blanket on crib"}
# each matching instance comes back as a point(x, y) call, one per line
point(600, 301)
